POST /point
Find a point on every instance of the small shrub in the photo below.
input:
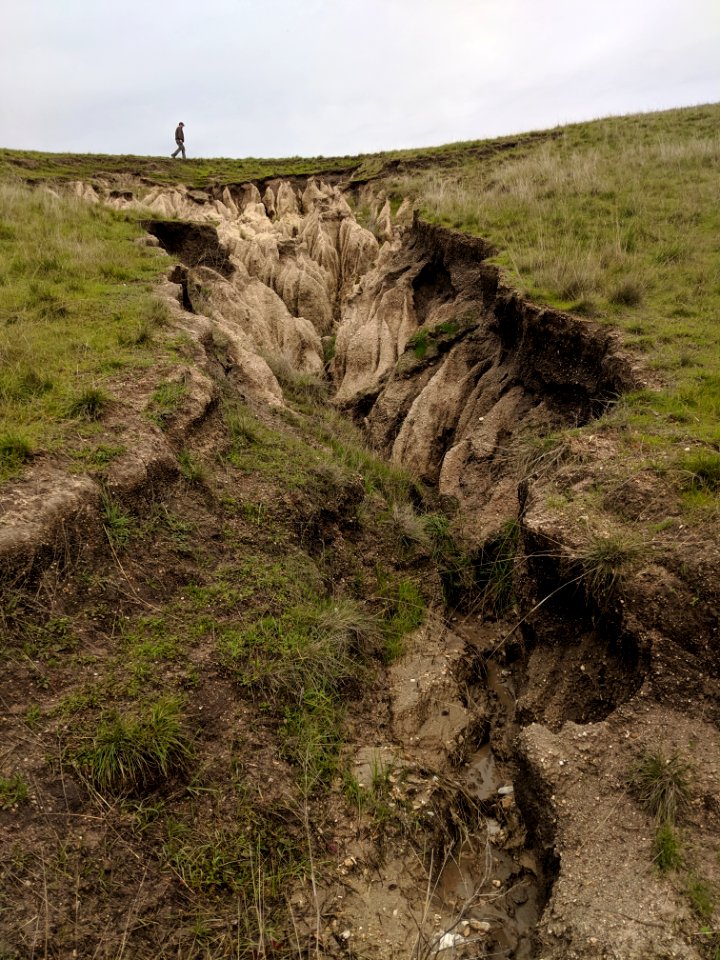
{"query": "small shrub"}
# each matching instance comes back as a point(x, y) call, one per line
point(661, 785)
point(13, 792)
point(89, 405)
point(132, 754)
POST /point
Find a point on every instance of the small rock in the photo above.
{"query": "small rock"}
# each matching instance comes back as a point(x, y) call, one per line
point(448, 941)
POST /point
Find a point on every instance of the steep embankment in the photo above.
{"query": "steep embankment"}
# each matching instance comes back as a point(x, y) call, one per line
point(204, 557)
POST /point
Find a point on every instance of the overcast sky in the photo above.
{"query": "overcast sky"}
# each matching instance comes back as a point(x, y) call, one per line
point(309, 77)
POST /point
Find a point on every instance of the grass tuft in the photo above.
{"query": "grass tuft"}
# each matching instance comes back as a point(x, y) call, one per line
point(90, 405)
point(603, 563)
point(661, 785)
point(13, 792)
point(117, 523)
point(15, 449)
point(493, 569)
point(666, 848)
point(133, 754)
point(701, 471)
point(191, 469)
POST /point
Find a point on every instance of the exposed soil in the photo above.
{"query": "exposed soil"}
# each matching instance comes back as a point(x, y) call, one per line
point(482, 805)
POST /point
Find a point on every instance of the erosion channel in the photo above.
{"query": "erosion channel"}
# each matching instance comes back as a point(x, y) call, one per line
point(498, 729)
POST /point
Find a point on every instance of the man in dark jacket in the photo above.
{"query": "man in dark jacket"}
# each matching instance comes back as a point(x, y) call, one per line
point(179, 140)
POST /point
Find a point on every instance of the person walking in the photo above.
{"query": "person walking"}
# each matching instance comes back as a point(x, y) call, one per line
point(179, 140)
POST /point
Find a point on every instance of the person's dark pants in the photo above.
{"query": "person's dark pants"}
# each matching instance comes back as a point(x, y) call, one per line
point(180, 147)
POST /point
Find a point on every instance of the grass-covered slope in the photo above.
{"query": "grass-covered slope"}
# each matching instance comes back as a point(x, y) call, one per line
point(616, 220)
point(76, 309)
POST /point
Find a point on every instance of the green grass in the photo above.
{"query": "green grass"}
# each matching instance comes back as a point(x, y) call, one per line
point(667, 851)
point(661, 785)
point(405, 609)
point(429, 343)
point(702, 896)
point(615, 219)
point(37, 167)
point(117, 522)
point(66, 304)
point(191, 468)
point(13, 792)
point(15, 449)
point(165, 402)
point(134, 754)
point(89, 405)
point(493, 570)
point(604, 564)
point(701, 471)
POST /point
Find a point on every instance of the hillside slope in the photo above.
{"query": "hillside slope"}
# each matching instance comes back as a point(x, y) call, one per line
point(360, 574)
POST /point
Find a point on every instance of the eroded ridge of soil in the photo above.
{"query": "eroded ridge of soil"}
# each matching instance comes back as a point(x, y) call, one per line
point(477, 802)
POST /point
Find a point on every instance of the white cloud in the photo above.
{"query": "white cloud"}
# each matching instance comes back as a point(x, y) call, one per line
point(287, 77)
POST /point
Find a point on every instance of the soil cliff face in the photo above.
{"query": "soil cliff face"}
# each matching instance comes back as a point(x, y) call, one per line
point(449, 368)
point(454, 377)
